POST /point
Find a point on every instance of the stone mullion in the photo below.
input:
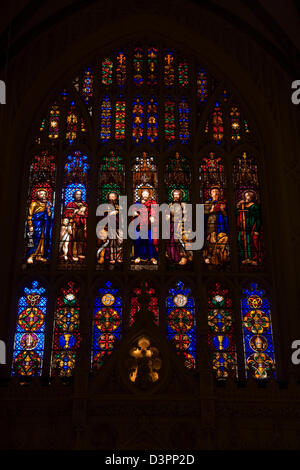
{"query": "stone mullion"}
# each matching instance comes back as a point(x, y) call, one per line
point(61, 155)
point(238, 328)
point(51, 293)
point(229, 156)
point(231, 204)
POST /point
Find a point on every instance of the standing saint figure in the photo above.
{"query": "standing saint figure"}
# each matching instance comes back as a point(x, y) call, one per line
point(111, 250)
point(249, 228)
point(75, 223)
point(39, 225)
point(177, 248)
point(146, 250)
point(216, 249)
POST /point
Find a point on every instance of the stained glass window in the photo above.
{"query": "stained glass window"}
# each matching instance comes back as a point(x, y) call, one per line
point(138, 66)
point(178, 181)
point(54, 122)
point(169, 69)
point(30, 330)
point(213, 194)
point(64, 94)
point(120, 120)
point(145, 87)
point(106, 324)
point(170, 121)
point(257, 330)
point(145, 251)
point(105, 119)
point(152, 66)
point(221, 332)
point(107, 71)
point(183, 74)
point(137, 119)
point(202, 86)
point(181, 323)
point(40, 205)
point(121, 69)
point(66, 335)
point(87, 87)
point(72, 124)
point(235, 124)
point(246, 127)
point(152, 302)
point(110, 187)
point(152, 120)
point(74, 211)
point(217, 124)
point(248, 211)
point(178, 176)
point(184, 121)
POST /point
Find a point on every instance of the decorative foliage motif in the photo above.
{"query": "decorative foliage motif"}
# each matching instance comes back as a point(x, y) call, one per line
point(183, 74)
point(66, 336)
point(30, 330)
point(221, 332)
point(54, 122)
point(38, 230)
point(170, 121)
point(120, 120)
point(202, 86)
point(137, 120)
point(73, 231)
point(257, 329)
point(138, 66)
point(248, 211)
point(217, 124)
point(107, 71)
point(152, 120)
point(87, 87)
point(105, 120)
point(181, 323)
point(184, 121)
point(121, 69)
point(145, 288)
point(152, 66)
point(106, 325)
point(235, 124)
point(74, 124)
point(213, 185)
point(169, 71)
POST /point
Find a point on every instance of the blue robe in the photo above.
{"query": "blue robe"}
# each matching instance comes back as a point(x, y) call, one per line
point(145, 249)
point(42, 228)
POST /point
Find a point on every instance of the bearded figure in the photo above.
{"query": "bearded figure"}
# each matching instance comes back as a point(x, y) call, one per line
point(111, 250)
point(146, 250)
point(75, 232)
point(39, 228)
point(216, 248)
point(177, 245)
